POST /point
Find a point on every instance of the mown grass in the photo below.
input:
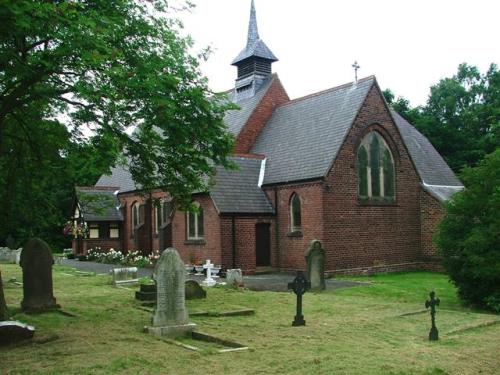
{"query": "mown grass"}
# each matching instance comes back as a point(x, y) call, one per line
point(358, 330)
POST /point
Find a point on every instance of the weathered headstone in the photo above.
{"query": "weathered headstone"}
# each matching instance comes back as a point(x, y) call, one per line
point(12, 332)
point(37, 261)
point(234, 277)
point(315, 258)
point(124, 276)
point(3, 306)
point(432, 303)
point(170, 316)
point(194, 290)
point(9, 256)
point(299, 286)
point(209, 281)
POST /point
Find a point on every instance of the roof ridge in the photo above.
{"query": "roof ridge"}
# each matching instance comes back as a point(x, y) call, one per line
point(331, 89)
point(249, 156)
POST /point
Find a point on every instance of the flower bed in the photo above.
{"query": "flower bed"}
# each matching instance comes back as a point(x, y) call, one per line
point(131, 258)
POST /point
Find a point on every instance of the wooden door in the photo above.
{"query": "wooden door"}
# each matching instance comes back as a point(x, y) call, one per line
point(263, 244)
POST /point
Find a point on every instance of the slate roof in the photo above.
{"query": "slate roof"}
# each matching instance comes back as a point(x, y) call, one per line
point(236, 119)
point(98, 205)
point(303, 136)
point(436, 176)
point(120, 177)
point(237, 191)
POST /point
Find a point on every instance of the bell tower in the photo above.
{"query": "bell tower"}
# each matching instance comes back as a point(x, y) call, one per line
point(253, 62)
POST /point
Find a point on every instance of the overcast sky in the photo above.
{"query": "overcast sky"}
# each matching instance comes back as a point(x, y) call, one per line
point(407, 45)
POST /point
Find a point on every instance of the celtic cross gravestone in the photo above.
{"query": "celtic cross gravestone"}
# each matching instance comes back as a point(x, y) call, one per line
point(432, 303)
point(299, 286)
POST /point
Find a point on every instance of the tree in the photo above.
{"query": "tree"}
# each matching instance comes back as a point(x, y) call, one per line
point(106, 65)
point(461, 117)
point(469, 235)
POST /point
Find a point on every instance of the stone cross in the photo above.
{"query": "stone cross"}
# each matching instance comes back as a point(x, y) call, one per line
point(170, 316)
point(315, 259)
point(209, 281)
point(432, 303)
point(299, 286)
point(356, 67)
point(3, 306)
point(36, 262)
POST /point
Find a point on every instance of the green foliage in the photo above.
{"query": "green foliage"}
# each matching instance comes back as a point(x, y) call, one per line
point(469, 235)
point(461, 117)
point(104, 65)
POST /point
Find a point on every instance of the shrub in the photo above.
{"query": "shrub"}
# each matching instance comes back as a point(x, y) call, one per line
point(469, 235)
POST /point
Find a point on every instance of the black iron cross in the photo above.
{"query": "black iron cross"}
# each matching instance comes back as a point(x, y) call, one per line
point(432, 303)
point(299, 286)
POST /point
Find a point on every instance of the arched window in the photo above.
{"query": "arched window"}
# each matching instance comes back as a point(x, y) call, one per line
point(295, 216)
point(162, 214)
point(195, 229)
point(136, 215)
point(375, 169)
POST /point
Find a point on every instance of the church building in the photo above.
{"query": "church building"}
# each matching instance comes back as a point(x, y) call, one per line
point(339, 166)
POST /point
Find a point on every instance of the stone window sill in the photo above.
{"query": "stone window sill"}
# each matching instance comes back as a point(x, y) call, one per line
point(200, 241)
point(295, 233)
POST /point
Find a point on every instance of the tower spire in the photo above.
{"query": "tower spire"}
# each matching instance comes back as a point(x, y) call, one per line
point(253, 30)
point(253, 62)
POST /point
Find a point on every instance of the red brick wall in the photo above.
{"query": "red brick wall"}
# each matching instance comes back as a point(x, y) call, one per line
point(245, 227)
point(274, 96)
point(360, 235)
point(431, 213)
point(104, 244)
point(291, 247)
point(210, 246)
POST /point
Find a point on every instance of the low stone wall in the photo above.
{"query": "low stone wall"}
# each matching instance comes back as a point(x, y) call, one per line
point(10, 256)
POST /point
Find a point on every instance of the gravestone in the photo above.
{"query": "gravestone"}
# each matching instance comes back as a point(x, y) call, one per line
point(147, 292)
point(299, 286)
point(315, 258)
point(124, 276)
point(3, 306)
point(10, 242)
point(209, 281)
point(432, 303)
point(36, 262)
point(234, 277)
point(170, 316)
point(194, 290)
point(12, 332)
point(9, 256)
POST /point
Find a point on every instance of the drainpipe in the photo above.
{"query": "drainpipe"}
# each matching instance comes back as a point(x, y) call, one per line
point(150, 214)
point(233, 236)
point(277, 228)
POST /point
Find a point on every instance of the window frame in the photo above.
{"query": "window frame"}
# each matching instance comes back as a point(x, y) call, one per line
point(295, 199)
point(365, 173)
point(195, 216)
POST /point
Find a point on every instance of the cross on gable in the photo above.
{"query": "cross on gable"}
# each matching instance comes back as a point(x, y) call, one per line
point(356, 67)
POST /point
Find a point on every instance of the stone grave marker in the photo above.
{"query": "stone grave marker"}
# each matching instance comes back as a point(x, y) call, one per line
point(194, 290)
point(432, 303)
point(209, 281)
point(315, 259)
point(9, 256)
point(299, 286)
point(36, 262)
point(3, 306)
point(12, 332)
point(170, 316)
point(124, 276)
point(234, 277)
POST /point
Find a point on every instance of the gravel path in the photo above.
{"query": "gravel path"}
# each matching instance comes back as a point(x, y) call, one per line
point(276, 282)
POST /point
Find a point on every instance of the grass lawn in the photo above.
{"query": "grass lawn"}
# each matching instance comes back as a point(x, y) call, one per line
point(358, 330)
